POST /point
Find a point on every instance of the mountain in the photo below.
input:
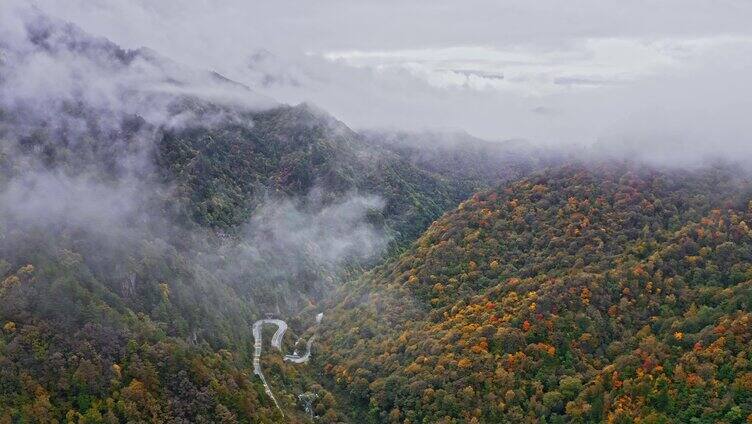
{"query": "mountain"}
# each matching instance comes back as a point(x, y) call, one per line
point(463, 158)
point(611, 293)
point(150, 213)
point(228, 170)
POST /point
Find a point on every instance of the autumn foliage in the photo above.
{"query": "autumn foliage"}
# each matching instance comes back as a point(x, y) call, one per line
point(613, 294)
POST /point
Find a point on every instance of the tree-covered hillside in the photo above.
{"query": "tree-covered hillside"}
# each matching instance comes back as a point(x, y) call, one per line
point(617, 294)
point(150, 213)
point(131, 269)
point(226, 171)
point(463, 158)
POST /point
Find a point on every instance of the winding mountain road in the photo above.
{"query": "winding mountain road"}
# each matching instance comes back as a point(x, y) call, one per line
point(297, 359)
point(257, 346)
point(277, 344)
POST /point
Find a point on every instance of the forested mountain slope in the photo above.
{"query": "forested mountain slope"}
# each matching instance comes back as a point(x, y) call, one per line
point(149, 214)
point(615, 293)
point(463, 158)
point(227, 170)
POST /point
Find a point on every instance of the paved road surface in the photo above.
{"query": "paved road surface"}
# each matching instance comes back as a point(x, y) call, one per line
point(257, 345)
point(277, 344)
point(297, 359)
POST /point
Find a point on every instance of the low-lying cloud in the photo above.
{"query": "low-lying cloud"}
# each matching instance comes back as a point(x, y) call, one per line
point(602, 71)
point(80, 122)
point(50, 66)
point(333, 233)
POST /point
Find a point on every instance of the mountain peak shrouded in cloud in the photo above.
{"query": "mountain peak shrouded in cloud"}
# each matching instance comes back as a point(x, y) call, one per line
point(486, 67)
point(126, 144)
point(121, 145)
point(50, 64)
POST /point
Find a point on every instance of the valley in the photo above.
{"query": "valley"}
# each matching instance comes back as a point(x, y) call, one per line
point(176, 246)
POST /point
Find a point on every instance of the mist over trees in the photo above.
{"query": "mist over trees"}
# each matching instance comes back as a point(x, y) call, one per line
point(149, 214)
point(152, 211)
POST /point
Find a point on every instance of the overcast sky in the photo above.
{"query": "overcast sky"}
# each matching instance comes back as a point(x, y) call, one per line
point(578, 71)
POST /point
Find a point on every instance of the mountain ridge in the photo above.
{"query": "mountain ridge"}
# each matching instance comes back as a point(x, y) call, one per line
point(145, 226)
point(469, 326)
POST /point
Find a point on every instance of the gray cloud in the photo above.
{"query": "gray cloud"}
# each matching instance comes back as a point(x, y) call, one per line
point(598, 64)
point(333, 233)
point(80, 118)
point(49, 65)
point(47, 199)
point(290, 236)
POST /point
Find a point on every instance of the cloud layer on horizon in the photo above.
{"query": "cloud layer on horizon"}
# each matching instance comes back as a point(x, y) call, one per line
point(644, 75)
